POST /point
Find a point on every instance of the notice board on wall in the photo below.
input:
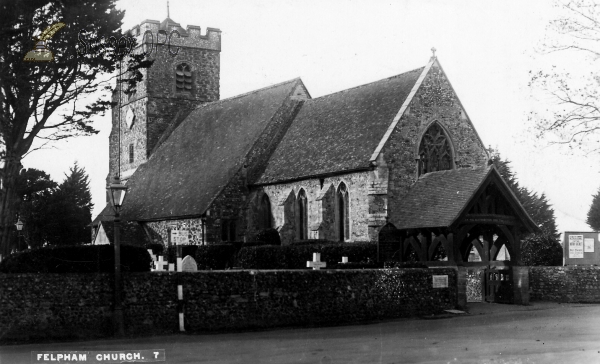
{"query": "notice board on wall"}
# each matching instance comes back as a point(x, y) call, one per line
point(580, 247)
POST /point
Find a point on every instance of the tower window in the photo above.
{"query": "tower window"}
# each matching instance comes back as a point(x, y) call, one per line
point(183, 78)
point(435, 153)
point(130, 153)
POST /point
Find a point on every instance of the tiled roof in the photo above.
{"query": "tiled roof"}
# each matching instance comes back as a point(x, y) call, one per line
point(130, 233)
point(107, 214)
point(339, 132)
point(438, 198)
point(189, 169)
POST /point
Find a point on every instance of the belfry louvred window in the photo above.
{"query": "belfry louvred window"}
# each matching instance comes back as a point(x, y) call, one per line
point(435, 153)
point(183, 78)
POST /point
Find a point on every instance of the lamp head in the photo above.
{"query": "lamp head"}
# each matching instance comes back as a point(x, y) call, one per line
point(117, 192)
point(19, 225)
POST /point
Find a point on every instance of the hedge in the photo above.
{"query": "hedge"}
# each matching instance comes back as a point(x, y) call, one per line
point(408, 264)
point(269, 236)
point(296, 256)
point(215, 256)
point(77, 259)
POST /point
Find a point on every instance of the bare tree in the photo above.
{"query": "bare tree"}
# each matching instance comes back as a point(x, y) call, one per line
point(57, 98)
point(572, 116)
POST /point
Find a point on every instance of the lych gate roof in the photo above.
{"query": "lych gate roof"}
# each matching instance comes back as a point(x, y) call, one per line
point(189, 169)
point(339, 132)
point(438, 199)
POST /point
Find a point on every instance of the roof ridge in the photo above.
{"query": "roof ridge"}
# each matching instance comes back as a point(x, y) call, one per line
point(367, 84)
point(247, 93)
point(455, 170)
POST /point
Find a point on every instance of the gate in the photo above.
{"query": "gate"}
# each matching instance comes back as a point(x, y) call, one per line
point(498, 285)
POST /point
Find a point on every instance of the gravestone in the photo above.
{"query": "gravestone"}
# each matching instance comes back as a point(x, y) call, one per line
point(316, 263)
point(189, 264)
point(159, 265)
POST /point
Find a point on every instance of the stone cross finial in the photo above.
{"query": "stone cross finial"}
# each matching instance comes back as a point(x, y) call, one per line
point(433, 51)
point(168, 15)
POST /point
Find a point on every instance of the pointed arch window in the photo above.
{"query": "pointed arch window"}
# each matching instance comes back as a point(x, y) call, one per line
point(302, 216)
point(435, 152)
point(183, 78)
point(228, 230)
point(264, 218)
point(343, 218)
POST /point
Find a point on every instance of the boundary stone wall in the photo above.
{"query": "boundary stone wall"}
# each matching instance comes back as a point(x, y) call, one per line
point(40, 307)
point(565, 284)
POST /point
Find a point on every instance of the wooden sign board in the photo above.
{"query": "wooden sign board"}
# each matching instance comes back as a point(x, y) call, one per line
point(180, 237)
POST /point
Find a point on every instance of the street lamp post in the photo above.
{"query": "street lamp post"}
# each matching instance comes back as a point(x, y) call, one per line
point(117, 193)
point(19, 226)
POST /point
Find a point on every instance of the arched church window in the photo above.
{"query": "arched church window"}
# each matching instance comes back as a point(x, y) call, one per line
point(302, 216)
point(435, 153)
point(264, 218)
point(228, 230)
point(183, 78)
point(343, 218)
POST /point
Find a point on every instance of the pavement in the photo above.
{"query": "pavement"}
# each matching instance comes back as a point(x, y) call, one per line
point(542, 332)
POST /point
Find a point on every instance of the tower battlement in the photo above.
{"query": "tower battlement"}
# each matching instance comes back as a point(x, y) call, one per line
point(191, 36)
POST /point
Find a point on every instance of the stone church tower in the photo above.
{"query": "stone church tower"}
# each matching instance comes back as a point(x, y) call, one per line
point(185, 74)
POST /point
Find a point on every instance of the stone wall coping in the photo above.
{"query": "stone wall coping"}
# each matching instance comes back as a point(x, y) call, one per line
point(250, 271)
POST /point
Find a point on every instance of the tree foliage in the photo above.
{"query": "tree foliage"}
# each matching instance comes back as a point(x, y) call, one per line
point(49, 101)
point(538, 248)
point(537, 206)
point(35, 189)
point(54, 214)
point(573, 114)
point(593, 216)
point(70, 212)
point(541, 250)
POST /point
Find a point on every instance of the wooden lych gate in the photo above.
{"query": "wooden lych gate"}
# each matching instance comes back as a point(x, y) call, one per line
point(464, 218)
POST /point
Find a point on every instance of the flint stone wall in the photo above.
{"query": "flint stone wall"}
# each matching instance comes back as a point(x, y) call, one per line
point(38, 307)
point(565, 284)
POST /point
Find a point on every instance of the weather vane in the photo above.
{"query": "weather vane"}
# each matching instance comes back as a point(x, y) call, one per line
point(40, 53)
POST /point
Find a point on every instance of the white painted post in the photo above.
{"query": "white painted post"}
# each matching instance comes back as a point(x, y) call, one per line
point(171, 267)
point(179, 264)
point(344, 259)
point(180, 297)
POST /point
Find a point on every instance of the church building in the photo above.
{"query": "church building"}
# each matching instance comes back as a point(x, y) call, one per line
point(395, 160)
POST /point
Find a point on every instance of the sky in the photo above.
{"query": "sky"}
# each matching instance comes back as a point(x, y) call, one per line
point(486, 48)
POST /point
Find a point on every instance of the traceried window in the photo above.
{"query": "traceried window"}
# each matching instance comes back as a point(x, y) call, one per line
point(264, 218)
point(183, 78)
point(435, 153)
point(343, 218)
point(302, 216)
